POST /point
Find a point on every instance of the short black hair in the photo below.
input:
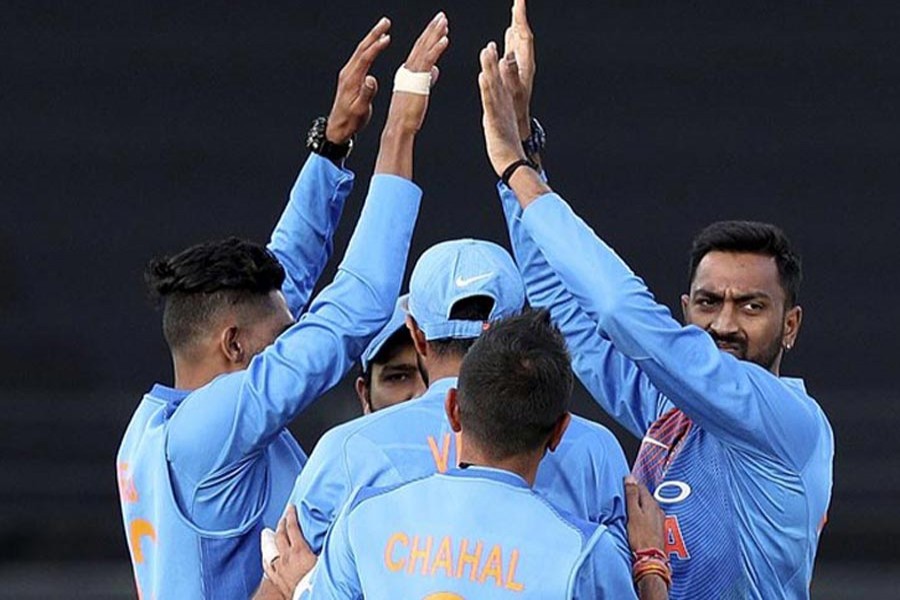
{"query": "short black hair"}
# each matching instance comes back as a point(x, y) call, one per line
point(756, 238)
point(515, 384)
point(473, 308)
point(200, 280)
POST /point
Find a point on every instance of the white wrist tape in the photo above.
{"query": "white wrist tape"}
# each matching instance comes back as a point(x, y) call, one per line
point(268, 546)
point(413, 83)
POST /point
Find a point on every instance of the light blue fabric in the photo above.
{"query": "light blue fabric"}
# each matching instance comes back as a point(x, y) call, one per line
point(451, 271)
point(413, 439)
point(476, 533)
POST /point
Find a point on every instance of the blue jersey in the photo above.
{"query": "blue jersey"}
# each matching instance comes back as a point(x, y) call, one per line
point(469, 533)
point(583, 476)
point(202, 472)
point(740, 459)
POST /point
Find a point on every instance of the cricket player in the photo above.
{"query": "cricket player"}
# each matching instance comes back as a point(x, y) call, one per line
point(456, 290)
point(206, 464)
point(389, 371)
point(739, 457)
point(479, 530)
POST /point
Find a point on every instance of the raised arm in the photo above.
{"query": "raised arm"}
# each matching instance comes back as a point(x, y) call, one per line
point(612, 379)
point(739, 402)
point(302, 239)
point(251, 407)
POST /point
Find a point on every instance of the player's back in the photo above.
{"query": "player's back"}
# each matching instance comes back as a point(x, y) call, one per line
point(413, 439)
point(147, 504)
point(469, 533)
point(173, 555)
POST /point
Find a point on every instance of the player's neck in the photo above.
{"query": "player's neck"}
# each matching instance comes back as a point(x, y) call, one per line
point(523, 465)
point(191, 375)
point(441, 368)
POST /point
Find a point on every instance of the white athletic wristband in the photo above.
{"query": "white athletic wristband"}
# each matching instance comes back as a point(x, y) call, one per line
point(413, 83)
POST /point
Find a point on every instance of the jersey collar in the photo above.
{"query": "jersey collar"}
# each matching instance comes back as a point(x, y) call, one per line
point(499, 475)
point(171, 396)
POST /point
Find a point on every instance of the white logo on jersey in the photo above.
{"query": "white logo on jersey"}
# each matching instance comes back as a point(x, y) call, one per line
point(461, 282)
point(684, 490)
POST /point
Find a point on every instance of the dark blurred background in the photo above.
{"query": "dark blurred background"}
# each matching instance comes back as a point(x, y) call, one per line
point(133, 129)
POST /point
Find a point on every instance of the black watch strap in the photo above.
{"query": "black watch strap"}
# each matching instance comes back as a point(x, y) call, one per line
point(318, 143)
point(534, 144)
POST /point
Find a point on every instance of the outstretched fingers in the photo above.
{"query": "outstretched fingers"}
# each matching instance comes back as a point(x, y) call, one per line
point(430, 45)
point(368, 49)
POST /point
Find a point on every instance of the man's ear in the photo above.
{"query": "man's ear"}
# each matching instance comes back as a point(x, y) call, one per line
point(685, 304)
point(793, 318)
point(362, 394)
point(451, 407)
point(559, 430)
point(231, 345)
point(417, 335)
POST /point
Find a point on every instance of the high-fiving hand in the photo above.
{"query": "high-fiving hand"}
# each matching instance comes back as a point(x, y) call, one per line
point(501, 131)
point(519, 47)
point(407, 112)
point(352, 108)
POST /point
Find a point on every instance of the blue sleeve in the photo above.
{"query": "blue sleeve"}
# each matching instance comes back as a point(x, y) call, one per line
point(336, 575)
point(612, 379)
point(605, 573)
point(238, 415)
point(612, 469)
point(302, 239)
point(740, 403)
point(335, 470)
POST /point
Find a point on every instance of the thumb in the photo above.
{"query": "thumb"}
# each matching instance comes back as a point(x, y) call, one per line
point(369, 88)
point(632, 494)
point(435, 74)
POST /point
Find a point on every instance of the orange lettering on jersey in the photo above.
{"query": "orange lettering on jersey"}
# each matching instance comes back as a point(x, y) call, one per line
point(389, 562)
point(493, 567)
point(415, 554)
point(674, 539)
point(127, 491)
point(444, 558)
point(137, 529)
point(472, 560)
point(440, 458)
point(511, 583)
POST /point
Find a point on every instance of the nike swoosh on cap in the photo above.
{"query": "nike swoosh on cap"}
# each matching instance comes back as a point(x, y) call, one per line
point(464, 282)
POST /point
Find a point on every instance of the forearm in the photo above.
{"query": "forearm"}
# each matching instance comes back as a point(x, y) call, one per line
point(395, 156)
point(302, 239)
point(612, 379)
point(737, 401)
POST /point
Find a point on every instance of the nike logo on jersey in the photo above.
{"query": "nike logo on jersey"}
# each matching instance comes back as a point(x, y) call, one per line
point(462, 282)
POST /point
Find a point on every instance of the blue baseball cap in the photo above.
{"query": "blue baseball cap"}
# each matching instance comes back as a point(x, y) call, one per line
point(397, 322)
point(452, 271)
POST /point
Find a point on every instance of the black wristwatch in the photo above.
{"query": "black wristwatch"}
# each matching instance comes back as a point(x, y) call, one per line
point(535, 142)
point(318, 143)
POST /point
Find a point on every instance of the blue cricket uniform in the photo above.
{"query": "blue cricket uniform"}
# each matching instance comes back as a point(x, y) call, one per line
point(583, 477)
point(469, 533)
point(202, 472)
point(740, 459)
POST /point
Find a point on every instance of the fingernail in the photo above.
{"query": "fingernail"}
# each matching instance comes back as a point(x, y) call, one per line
point(438, 16)
point(629, 479)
